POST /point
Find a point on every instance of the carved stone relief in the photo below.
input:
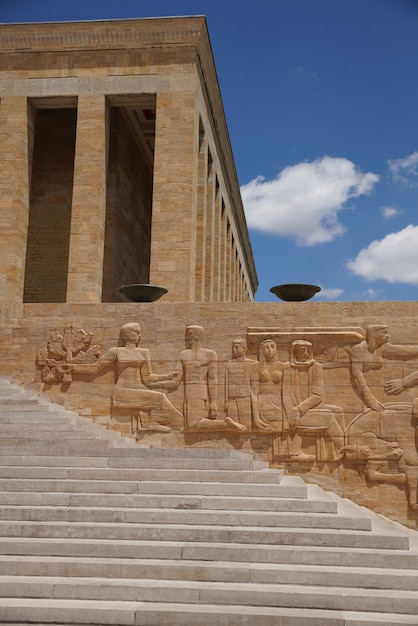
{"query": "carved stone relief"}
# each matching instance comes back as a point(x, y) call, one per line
point(317, 394)
point(61, 349)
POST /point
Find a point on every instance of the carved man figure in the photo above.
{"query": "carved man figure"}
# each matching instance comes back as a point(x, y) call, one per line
point(241, 389)
point(369, 355)
point(303, 401)
point(197, 368)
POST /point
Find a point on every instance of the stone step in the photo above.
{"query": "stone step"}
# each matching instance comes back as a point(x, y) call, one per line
point(75, 446)
point(126, 462)
point(143, 475)
point(212, 571)
point(21, 403)
point(58, 501)
point(127, 552)
point(99, 448)
point(53, 427)
point(132, 533)
point(197, 592)
point(18, 611)
point(149, 486)
point(57, 434)
point(204, 517)
point(11, 498)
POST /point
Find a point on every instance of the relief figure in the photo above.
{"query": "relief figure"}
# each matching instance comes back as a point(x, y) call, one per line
point(198, 369)
point(137, 388)
point(369, 355)
point(66, 347)
point(303, 402)
point(385, 443)
point(270, 385)
point(383, 435)
point(241, 390)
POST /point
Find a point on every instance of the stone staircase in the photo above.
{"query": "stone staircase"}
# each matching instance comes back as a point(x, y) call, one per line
point(95, 529)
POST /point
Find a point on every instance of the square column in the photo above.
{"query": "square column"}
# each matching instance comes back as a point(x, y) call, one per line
point(14, 196)
point(173, 239)
point(88, 213)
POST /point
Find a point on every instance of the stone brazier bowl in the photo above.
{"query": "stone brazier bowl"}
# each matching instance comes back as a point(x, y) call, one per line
point(295, 292)
point(142, 293)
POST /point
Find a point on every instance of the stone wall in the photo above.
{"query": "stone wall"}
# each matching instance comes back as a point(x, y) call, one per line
point(343, 415)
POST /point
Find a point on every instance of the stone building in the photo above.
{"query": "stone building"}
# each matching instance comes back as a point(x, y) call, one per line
point(116, 165)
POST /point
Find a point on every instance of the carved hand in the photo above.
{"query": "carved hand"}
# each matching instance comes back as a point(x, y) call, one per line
point(65, 367)
point(376, 405)
point(394, 387)
point(293, 417)
point(262, 425)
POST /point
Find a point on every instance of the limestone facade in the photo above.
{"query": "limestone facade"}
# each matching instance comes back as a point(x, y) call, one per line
point(111, 131)
point(344, 415)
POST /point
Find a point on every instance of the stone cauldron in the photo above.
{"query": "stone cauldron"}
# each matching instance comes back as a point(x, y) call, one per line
point(142, 292)
point(295, 292)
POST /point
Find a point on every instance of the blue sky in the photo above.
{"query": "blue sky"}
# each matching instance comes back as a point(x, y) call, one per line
point(321, 101)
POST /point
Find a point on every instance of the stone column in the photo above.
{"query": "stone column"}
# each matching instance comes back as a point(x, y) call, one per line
point(85, 263)
point(229, 252)
point(224, 235)
point(210, 224)
point(14, 196)
point(173, 239)
point(201, 221)
point(217, 247)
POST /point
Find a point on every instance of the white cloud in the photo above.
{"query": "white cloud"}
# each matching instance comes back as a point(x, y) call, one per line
point(371, 294)
point(393, 259)
point(389, 211)
point(405, 170)
point(304, 200)
point(330, 294)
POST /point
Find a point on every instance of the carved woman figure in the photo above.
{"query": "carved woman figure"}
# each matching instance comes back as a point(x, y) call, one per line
point(270, 384)
point(135, 383)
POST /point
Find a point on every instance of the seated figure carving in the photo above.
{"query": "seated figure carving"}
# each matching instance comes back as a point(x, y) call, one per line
point(303, 402)
point(137, 388)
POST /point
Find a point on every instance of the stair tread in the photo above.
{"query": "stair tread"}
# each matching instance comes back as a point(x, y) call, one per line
point(156, 613)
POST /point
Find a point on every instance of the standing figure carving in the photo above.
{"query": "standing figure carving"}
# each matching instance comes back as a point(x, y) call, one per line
point(270, 384)
point(303, 401)
point(241, 390)
point(198, 369)
point(137, 388)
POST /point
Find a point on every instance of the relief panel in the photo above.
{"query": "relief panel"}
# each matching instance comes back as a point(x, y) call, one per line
point(319, 396)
